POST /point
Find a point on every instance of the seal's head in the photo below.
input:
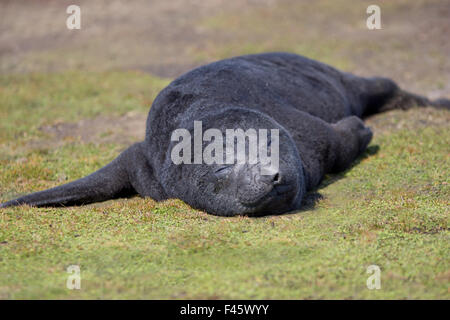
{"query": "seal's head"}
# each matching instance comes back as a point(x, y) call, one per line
point(242, 187)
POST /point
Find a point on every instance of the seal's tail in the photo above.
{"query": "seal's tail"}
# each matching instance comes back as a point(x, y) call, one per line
point(111, 181)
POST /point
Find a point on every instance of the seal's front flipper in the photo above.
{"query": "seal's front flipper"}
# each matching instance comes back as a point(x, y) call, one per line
point(127, 175)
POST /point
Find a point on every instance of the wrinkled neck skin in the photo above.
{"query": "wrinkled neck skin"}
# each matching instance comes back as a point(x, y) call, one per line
point(238, 189)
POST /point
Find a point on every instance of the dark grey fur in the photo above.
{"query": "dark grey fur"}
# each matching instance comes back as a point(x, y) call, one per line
point(317, 109)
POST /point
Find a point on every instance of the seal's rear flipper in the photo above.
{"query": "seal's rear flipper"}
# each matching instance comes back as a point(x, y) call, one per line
point(127, 175)
point(442, 103)
point(383, 94)
point(405, 100)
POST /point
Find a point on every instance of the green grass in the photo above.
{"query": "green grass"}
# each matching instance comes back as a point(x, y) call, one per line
point(391, 210)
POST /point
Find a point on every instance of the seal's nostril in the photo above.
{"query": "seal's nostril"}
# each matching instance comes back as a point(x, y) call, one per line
point(276, 178)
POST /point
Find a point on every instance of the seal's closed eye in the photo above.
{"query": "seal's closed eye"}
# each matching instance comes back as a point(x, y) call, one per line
point(223, 171)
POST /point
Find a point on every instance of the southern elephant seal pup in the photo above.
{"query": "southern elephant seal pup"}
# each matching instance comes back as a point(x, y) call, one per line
point(315, 109)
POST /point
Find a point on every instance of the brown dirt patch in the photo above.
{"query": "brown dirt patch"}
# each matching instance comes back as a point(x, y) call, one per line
point(123, 130)
point(168, 38)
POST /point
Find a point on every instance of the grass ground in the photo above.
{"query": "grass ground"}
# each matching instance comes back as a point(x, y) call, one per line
point(390, 209)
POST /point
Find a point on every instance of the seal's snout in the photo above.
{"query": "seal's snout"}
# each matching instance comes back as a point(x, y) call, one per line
point(262, 188)
point(277, 182)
